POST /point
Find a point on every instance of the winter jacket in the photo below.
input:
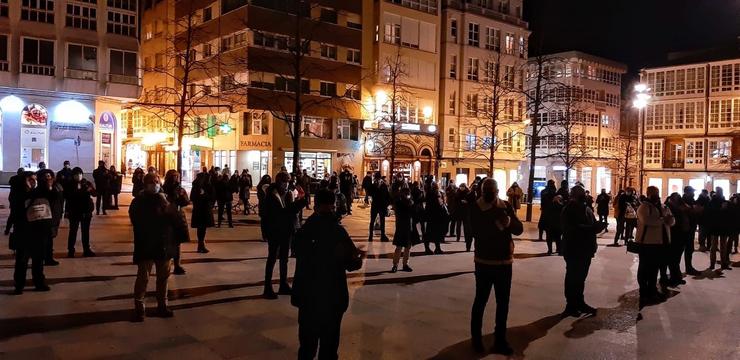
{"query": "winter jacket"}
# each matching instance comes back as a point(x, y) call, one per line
point(654, 224)
point(156, 224)
point(579, 227)
point(493, 246)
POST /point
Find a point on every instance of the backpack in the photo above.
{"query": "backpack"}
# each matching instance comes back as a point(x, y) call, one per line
point(629, 212)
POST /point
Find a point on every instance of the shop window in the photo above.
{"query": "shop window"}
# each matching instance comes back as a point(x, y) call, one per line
point(347, 129)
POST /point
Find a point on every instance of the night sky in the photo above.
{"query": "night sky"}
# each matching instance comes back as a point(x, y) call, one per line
point(638, 33)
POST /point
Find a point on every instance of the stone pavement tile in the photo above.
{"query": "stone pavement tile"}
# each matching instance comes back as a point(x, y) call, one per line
point(39, 352)
point(194, 351)
point(242, 344)
point(91, 348)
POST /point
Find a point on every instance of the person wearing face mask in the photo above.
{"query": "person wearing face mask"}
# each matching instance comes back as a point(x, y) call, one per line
point(32, 228)
point(280, 211)
point(64, 176)
point(493, 222)
point(53, 192)
point(225, 197)
point(202, 194)
point(101, 176)
point(137, 180)
point(579, 227)
point(654, 221)
point(156, 226)
point(402, 238)
point(177, 197)
point(116, 180)
point(79, 208)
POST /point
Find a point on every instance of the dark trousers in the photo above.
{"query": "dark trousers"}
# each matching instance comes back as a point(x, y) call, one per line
point(620, 230)
point(375, 212)
point(318, 331)
point(201, 234)
point(348, 200)
point(101, 201)
point(675, 252)
point(553, 236)
point(486, 277)
point(651, 258)
point(74, 224)
point(629, 228)
point(703, 237)
point(576, 271)
point(9, 223)
point(277, 249)
point(468, 232)
point(688, 252)
point(224, 206)
point(35, 252)
point(115, 201)
point(435, 234)
point(49, 248)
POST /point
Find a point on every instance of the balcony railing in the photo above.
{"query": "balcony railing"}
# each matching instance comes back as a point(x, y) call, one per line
point(123, 79)
point(36, 69)
point(81, 74)
point(491, 13)
point(673, 163)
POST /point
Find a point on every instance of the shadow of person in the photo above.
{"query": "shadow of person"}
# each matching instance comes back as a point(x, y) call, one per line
point(520, 337)
point(709, 274)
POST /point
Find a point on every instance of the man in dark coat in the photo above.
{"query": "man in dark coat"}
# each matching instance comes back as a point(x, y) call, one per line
point(30, 234)
point(324, 253)
point(79, 208)
point(546, 196)
point(379, 207)
point(579, 246)
point(367, 182)
point(346, 185)
point(64, 176)
point(693, 216)
point(17, 184)
point(602, 206)
point(102, 187)
point(281, 211)
point(155, 224)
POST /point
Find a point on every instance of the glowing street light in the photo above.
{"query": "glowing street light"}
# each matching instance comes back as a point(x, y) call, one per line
point(642, 96)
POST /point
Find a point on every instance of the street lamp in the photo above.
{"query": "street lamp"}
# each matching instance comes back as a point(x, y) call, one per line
point(640, 102)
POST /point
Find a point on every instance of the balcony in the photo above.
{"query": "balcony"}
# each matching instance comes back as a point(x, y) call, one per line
point(673, 163)
point(123, 79)
point(81, 74)
point(491, 13)
point(35, 69)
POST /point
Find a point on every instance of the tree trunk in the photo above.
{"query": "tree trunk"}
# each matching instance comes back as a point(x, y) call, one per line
point(298, 119)
point(533, 143)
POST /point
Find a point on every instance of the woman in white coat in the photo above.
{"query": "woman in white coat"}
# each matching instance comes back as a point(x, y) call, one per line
point(654, 221)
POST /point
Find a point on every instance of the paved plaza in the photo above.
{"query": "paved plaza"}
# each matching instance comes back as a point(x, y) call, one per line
point(220, 314)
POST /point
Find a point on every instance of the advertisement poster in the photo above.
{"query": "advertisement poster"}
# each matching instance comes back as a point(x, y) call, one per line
point(72, 140)
point(34, 115)
point(33, 147)
point(107, 121)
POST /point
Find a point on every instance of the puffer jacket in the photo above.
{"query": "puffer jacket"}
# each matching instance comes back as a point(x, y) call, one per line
point(651, 229)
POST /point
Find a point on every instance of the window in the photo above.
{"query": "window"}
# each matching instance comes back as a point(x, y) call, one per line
point(720, 114)
point(653, 153)
point(352, 92)
point(284, 84)
point(129, 5)
point(123, 63)
point(470, 140)
point(509, 76)
point(208, 14)
point(81, 57)
point(353, 56)
point(316, 127)
point(453, 30)
point(473, 34)
point(3, 52)
point(451, 135)
point(719, 151)
point(392, 33)
point(453, 66)
point(694, 152)
point(328, 15)
point(347, 129)
point(473, 69)
point(489, 71)
point(509, 49)
point(471, 105)
point(255, 124)
point(121, 24)
point(228, 83)
point(493, 39)
point(328, 88)
point(38, 10)
point(328, 51)
point(206, 50)
point(3, 8)
point(522, 47)
point(354, 21)
point(38, 57)
point(452, 103)
point(273, 41)
point(81, 17)
point(504, 7)
point(506, 141)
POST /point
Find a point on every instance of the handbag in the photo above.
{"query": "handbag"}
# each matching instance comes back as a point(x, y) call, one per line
point(630, 213)
point(633, 246)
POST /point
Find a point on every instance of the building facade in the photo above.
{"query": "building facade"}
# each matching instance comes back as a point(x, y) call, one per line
point(580, 121)
point(66, 69)
point(691, 127)
point(243, 88)
point(401, 86)
point(481, 102)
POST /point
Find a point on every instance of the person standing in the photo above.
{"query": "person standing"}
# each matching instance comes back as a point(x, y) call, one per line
point(177, 197)
point(602, 207)
point(245, 189)
point(346, 184)
point(64, 176)
point(463, 210)
point(324, 253)
point(262, 187)
point(515, 195)
point(101, 176)
point(157, 228)
point(116, 181)
point(53, 192)
point(553, 227)
point(717, 225)
point(17, 184)
point(281, 209)
point(452, 209)
point(546, 196)
point(437, 219)
point(654, 221)
point(224, 197)
point(137, 180)
point(367, 183)
point(579, 247)
point(679, 231)
point(379, 207)
point(692, 214)
point(202, 196)
point(563, 191)
point(619, 210)
point(31, 230)
point(403, 237)
point(493, 222)
point(702, 202)
point(79, 209)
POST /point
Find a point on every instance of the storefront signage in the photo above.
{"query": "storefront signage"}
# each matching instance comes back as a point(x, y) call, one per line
point(34, 115)
point(107, 121)
point(255, 144)
point(105, 138)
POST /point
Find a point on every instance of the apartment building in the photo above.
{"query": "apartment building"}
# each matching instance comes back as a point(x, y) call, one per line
point(401, 86)
point(580, 121)
point(245, 84)
point(483, 60)
point(66, 69)
point(691, 127)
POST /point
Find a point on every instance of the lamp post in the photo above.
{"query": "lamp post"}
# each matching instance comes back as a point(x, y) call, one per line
point(640, 102)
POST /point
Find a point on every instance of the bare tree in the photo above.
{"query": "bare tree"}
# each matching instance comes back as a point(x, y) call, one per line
point(568, 129)
point(184, 101)
point(625, 154)
point(492, 108)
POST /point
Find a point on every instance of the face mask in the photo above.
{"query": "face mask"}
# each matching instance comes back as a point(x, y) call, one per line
point(78, 177)
point(66, 166)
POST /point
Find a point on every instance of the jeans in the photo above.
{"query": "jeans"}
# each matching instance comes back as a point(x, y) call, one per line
point(74, 224)
point(101, 201)
point(486, 277)
point(319, 331)
point(675, 251)
point(576, 271)
point(630, 228)
point(651, 259)
point(142, 279)
point(224, 206)
point(719, 241)
point(115, 200)
point(277, 249)
point(35, 252)
point(620, 230)
point(375, 212)
point(348, 200)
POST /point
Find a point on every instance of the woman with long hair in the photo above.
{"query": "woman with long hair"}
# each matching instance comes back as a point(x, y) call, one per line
point(203, 197)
